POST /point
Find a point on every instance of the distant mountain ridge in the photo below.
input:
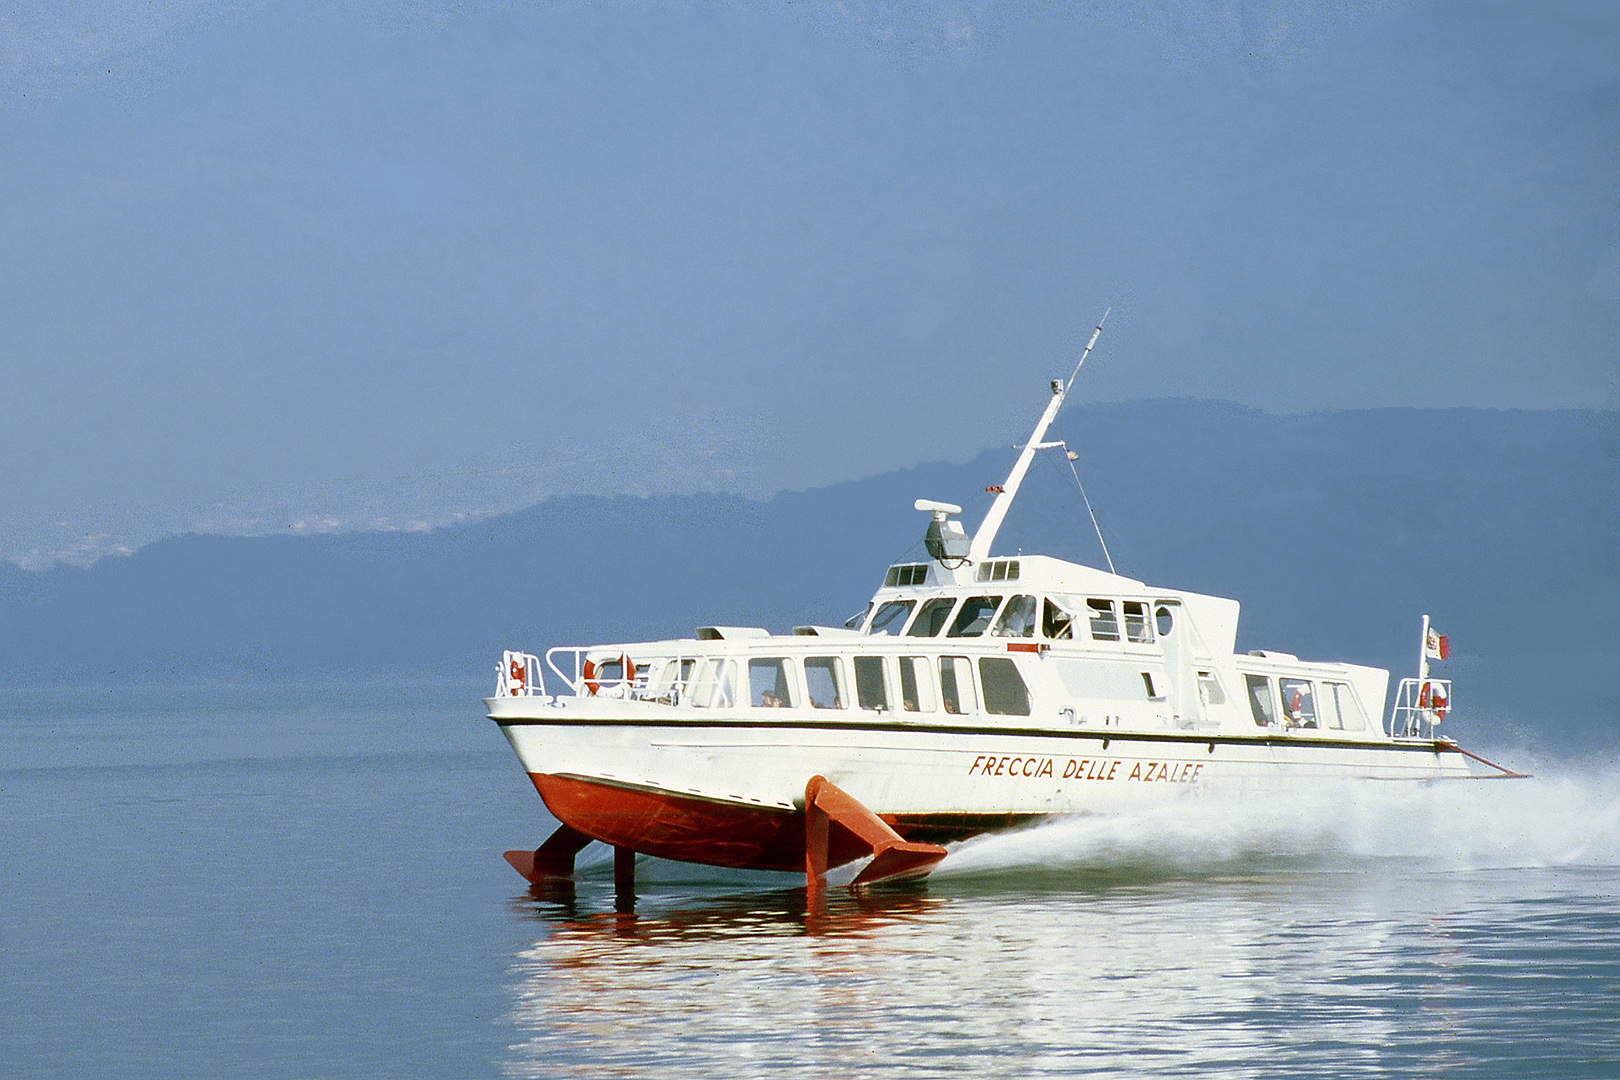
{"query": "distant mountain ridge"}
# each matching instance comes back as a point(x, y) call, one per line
point(1335, 530)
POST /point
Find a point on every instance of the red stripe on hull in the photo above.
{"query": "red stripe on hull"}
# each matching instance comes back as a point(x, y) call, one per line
point(691, 829)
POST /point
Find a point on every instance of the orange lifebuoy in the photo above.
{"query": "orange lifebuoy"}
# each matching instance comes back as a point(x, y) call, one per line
point(1432, 695)
point(519, 676)
point(626, 667)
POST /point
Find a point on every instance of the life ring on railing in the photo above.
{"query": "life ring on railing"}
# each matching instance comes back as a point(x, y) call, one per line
point(518, 677)
point(593, 684)
point(1438, 702)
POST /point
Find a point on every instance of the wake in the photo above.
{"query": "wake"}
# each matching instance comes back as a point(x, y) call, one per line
point(1567, 814)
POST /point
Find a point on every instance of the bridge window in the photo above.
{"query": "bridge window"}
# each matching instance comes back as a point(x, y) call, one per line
point(932, 618)
point(974, 616)
point(1017, 618)
point(906, 574)
point(916, 684)
point(891, 617)
point(956, 685)
point(999, 570)
point(768, 685)
point(1265, 713)
point(824, 682)
point(1057, 622)
point(854, 621)
point(1137, 627)
point(1104, 622)
point(1004, 691)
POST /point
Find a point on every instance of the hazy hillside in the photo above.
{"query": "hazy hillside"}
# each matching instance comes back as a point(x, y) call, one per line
point(1336, 531)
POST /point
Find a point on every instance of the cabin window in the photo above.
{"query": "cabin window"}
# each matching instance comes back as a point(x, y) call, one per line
point(1057, 622)
point(1165, 620)
point(891, 617)
point(854, 621)
point(1299, 703)
point(1209, 688)
point(1017, 618)
point(974, 616)
point(956, 685)
point(671, 685)
point(1265, 713)
point(1104, 623)
point(871, 691)
point(932, 618)
point(1137, 627)
point(1004, 691)
point(1153, 692)
point(716, 685)
point(768, 685)
point(998, 570)
point(1341, 709)
point(916, 685)
point(906, 574)
point(824, 682)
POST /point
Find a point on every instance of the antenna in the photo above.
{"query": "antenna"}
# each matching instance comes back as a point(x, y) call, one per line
point(1087, 351)
point(986, 535)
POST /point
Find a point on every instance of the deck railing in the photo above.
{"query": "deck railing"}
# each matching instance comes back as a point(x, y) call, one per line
point(1419, 702)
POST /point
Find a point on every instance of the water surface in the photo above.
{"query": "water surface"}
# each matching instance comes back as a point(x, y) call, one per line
point(305, 881)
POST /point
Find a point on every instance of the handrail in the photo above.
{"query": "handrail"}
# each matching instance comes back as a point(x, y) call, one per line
point(1419, 701)
point(583, 682)
point(518, 675)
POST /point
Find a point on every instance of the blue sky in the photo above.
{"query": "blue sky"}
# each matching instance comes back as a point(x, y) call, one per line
point(293, 268)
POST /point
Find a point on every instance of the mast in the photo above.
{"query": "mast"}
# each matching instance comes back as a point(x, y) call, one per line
point(980, 549)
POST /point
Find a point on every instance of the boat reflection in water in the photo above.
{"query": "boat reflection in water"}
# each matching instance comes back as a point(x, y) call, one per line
point(1273, 972)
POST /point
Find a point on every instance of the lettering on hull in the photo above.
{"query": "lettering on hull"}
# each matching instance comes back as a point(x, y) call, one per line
point(1104, 769)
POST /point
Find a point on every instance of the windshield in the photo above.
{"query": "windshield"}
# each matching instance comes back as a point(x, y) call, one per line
point(891, 617)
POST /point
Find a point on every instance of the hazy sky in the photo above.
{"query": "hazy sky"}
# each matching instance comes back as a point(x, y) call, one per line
point(276, 267)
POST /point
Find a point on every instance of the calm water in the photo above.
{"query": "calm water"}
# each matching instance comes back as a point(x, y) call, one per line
point(307, 882)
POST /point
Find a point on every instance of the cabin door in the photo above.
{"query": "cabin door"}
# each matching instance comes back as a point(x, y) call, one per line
point(1176, 637)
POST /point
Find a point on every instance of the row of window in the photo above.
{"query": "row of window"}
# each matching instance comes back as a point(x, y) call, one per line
point(1332, 706)
point(823, 682)
point(1022, 616)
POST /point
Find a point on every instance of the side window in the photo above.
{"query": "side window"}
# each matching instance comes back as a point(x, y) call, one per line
point(1004, 691)
point(768, 685)
point(931, 619)
point(870, 691)
point(1345, 704)
point(1104, 623)
point(956, 685)
point(974, 616)
point(916, 685)
point(1137, 627)
point(1260, 700)
point(670, 685)
point(1299, 703)
point(1209, 688)
point(891, 617)
point(716, 685)
point(824, 682)
point(1057, 622)
point(854, 621)
point(1017, 618)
